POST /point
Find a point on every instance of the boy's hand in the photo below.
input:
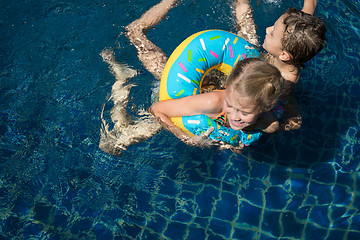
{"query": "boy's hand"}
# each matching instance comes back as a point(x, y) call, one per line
point(292, 117)
point(309, 6)
point(292, 123)
point(241, 8)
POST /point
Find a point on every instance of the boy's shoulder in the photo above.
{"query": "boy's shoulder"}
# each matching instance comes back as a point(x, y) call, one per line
point(289, 72)
point(291, 76)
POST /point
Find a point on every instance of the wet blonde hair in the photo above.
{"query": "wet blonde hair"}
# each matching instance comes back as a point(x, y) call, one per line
point(257, 80)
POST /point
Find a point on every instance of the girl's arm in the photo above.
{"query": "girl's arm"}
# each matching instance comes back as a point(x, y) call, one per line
point(309, 6)
point(209, 104)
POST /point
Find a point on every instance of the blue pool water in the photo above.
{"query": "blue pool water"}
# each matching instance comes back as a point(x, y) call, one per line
point(55, 183)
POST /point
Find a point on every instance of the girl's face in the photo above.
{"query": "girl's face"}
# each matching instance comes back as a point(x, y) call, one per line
point(241, 110)
point(273, 39)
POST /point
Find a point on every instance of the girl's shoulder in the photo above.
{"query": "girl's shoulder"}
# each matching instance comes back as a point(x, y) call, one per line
point(215, 97)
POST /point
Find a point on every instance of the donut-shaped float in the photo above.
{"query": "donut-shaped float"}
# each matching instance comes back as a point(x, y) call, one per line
point(185, 70)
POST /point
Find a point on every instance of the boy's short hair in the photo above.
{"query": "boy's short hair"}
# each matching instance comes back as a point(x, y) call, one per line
point(304, 35)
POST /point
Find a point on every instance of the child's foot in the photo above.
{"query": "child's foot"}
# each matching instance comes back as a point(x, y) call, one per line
point(120, 71)
point(108, 55)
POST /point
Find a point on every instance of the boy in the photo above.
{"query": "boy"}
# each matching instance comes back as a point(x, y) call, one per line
point(295, 38)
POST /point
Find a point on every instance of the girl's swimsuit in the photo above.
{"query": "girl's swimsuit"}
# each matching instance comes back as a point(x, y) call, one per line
point(278, 110)
point(221, 119)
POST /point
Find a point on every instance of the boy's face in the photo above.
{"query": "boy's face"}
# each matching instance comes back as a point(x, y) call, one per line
point(274, 34)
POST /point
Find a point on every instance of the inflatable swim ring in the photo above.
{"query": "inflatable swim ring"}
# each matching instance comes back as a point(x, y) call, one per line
point(186, 68)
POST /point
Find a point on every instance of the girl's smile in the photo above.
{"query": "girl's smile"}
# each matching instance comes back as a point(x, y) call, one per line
point(241, 111)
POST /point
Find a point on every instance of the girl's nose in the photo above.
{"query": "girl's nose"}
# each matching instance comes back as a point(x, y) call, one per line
point(237, 116)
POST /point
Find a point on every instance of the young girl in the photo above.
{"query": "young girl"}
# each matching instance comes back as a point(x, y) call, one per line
point(242, 103)
point(252, 89)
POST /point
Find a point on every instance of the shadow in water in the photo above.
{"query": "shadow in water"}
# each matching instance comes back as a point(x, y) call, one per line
point(330, 132)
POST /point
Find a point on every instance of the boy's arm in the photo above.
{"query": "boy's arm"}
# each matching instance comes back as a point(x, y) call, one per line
point(309, 6)
point(245, 24)
point(267, 122)
point(292, 118)
point(241, 8)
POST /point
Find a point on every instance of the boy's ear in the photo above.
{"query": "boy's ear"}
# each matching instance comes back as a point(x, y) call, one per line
point(285, 56)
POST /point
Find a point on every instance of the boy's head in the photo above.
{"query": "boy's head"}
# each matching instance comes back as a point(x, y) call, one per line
point(296, 37)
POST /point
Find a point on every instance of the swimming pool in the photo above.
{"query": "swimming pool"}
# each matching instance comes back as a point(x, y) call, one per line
point(55, 183)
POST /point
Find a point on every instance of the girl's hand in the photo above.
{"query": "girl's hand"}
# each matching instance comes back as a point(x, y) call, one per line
point(201, 140)
point(236, 149)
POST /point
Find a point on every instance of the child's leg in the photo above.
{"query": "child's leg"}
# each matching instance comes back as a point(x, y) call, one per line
point(126, 131)
point(151, 56)
point(245, 26)
point(119, 91)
